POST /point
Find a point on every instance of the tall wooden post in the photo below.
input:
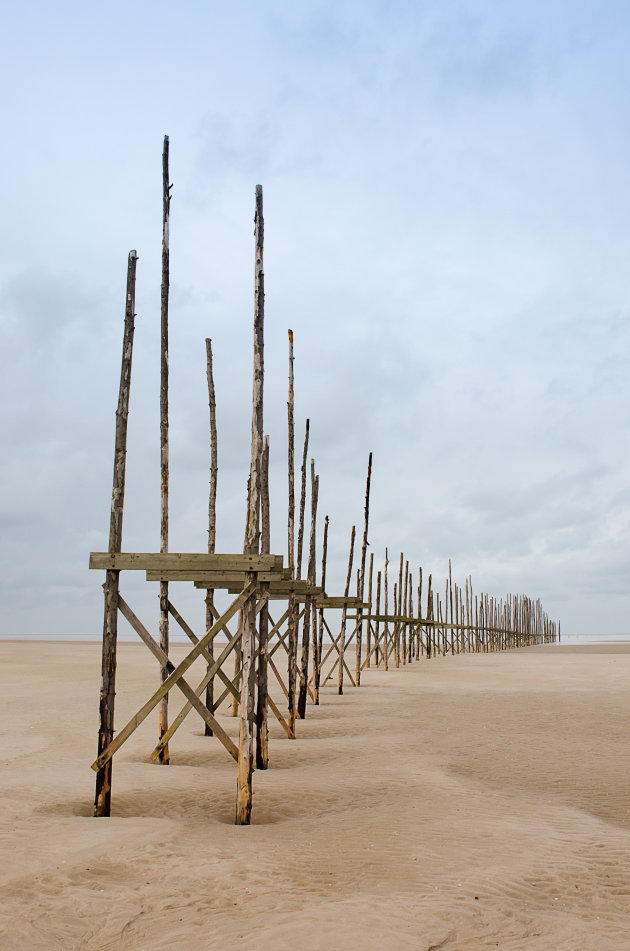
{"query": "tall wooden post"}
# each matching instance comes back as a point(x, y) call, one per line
point(369, 627)
point(409, 611)
point(306, 624)
point(361, 591)
point(377, 648)
point(292, 616)
point(300, 541)
point(262, 732)
point(344, 613)
point(212, 515)
point(430, 629)
point(248, 638)
point(317, 664)
point(386, 624)
point(166, 211)
point(397, 611)
point(420, 640)
point(403, 601)
point(102, 798)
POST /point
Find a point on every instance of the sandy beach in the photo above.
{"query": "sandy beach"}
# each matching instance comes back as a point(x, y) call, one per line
point(470, 802)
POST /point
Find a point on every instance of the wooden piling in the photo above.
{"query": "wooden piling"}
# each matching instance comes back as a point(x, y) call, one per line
point(102, 797)
point(386, 625)
point(361, 590)
point(306, 623)
point(378, 652)
point(262, 732)
point(248, 638)
point(317, 661)
point(369, 628)
point(300, 541)
point(212, 514)
point(164, 645)
point(292, 616)
point(344, 613)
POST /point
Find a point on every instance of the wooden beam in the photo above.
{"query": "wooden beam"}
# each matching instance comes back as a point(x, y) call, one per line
point(323, 601)
point(188, 692)
point(174, 676)
point(213, 579)
point(183, 561)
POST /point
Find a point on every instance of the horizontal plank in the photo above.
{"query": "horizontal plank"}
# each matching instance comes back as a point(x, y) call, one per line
point(178, 561)
point(213, 579)
point(395, 618)
point(326, 602)
point(279, 590)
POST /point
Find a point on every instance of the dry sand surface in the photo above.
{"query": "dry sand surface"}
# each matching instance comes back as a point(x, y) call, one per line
point(469, 802)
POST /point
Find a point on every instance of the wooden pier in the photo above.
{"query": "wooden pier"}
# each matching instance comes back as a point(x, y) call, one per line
point(277, 622)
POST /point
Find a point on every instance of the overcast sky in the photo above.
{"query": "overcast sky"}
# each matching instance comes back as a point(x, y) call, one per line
point(447, 231)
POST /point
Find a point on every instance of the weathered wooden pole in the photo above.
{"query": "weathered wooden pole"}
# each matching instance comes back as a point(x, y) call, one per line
point(306, 623)
point(344, 613)
point(293, 605)
point(478, 619)
point(300, 541)
point(377, 644)
point(292, 616)
point(361, 590)
point(420, 640)
point(456, 619)
point(252, 546)
point(166, 214)
point(103, 794)
point(398, 612)
point(403, 602)
point(369, 627)
point(386, 625)
point(212, 516)
point(430, 628)
point(396, 623)
point(317, 664)
point(262, 732)
point(449, 603)
point(409, 612)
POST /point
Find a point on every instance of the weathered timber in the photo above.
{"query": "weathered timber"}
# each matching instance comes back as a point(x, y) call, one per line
point(102, 798)
point(216, 579)
point(361, 586)
point(262, 731)
point(186, 628)
point(215, 669)
point(377, 647)
point(174, 676)
point(317, 662)
point(166, 205)
point(342, 636)
point(281, 590)
point(181, 684)
point(397, 642)
point(324, 601)
point(404, 610)
point(248, 643)
point(212, 511)
point(184, 561)
point(386, 628)
point(369, 628)
point(300, 541)
point(292, 621)
point(306, 623)
point(430, 630)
